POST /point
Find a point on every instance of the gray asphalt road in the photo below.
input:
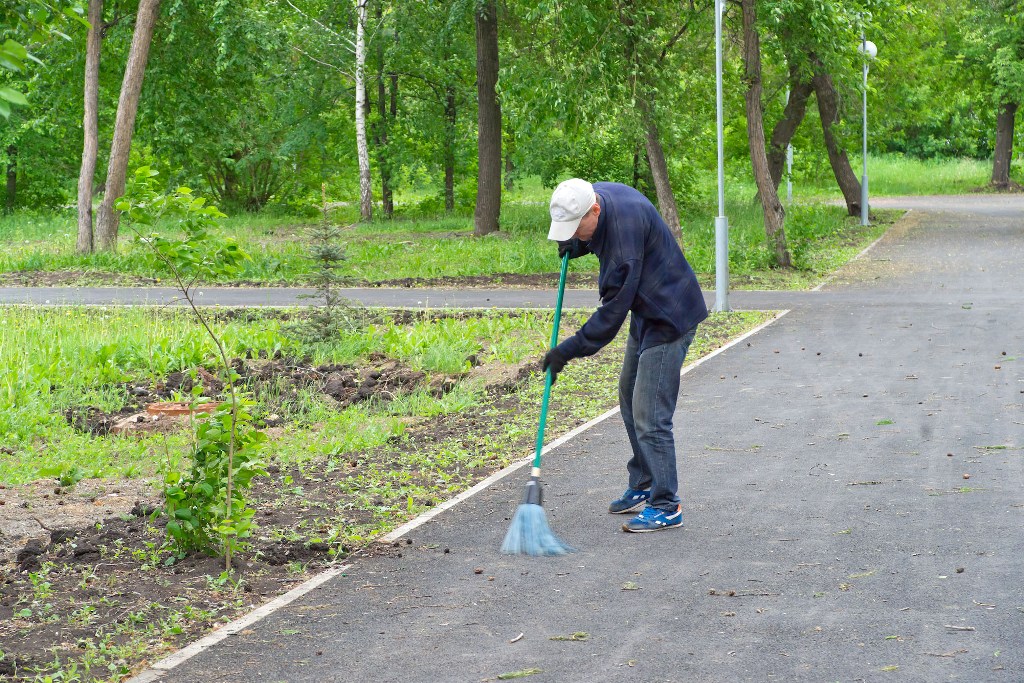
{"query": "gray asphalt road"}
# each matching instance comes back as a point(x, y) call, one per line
point(852, 485)
point(1004, 205)
point(401, 298)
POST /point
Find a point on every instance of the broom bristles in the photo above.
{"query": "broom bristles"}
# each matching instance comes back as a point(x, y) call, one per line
point(529, 534)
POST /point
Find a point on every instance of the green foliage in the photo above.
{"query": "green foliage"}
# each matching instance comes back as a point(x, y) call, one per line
point(252, 103)
point(994, 42)
point(211, 499)
point(37, 21)
point(66, 474)
point(207, 507)
point(197, 256)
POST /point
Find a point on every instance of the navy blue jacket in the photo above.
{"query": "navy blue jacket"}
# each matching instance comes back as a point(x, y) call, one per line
point(643, 271)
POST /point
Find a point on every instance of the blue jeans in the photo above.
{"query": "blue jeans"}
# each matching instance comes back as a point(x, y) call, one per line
point(648, 388)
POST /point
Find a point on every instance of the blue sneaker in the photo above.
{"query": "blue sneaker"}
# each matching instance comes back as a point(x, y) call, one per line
point(631, 500)
point(653, 519)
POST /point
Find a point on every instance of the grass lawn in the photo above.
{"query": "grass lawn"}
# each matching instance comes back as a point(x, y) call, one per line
point(891, 175)
point(422, 250)
point(419, 248)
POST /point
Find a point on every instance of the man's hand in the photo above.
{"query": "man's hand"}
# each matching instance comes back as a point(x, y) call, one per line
point(573, 248)
point(566, 247)
point(555, 362)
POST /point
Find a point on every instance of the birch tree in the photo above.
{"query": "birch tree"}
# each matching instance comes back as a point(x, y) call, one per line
point(365, 186)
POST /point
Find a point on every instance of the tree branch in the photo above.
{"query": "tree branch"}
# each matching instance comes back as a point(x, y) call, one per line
point(320, 61)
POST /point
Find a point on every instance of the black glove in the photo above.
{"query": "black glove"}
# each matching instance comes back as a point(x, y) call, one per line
point(555, 362)
point(573, 248)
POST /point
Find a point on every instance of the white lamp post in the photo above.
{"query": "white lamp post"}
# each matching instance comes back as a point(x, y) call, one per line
point(789, 165)
point(721, 222)
point(868, 51)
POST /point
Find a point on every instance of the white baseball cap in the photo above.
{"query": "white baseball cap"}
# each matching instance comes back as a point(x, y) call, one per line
point(570, 202)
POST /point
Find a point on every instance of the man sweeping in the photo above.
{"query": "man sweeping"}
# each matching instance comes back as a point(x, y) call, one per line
point(643, 272)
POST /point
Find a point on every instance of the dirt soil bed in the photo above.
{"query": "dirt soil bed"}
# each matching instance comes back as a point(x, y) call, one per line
point(73, 278)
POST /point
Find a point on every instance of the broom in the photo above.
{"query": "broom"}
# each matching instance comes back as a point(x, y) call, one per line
point(529, 533)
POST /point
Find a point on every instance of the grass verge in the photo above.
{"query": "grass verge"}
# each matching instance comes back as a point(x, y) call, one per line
point(39, 250)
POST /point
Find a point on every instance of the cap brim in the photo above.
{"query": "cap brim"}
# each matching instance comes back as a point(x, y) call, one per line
point(563, 230)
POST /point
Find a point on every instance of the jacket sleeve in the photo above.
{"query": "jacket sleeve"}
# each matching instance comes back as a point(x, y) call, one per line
point(604, 324)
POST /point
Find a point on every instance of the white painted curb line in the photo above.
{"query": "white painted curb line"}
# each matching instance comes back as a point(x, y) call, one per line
point(163, 666)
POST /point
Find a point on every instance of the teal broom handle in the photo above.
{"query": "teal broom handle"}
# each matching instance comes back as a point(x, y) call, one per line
point(547, 375)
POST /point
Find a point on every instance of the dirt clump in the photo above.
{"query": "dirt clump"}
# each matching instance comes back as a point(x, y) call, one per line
point(273, 380)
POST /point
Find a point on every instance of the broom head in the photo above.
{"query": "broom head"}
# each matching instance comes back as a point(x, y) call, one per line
point(529, 533)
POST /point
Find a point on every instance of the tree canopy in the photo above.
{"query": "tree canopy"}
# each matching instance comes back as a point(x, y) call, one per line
point(254, 102)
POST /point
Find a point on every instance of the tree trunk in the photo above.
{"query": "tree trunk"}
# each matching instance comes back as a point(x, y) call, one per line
point(365, 186)
point(449, 149)
point(488, 179)
point(90, 127)
point(12, 178)
point(1004, 144)
point(799, 91)
point(774, 213)
point(124, 125)
point(841, 169)
point(659, 168)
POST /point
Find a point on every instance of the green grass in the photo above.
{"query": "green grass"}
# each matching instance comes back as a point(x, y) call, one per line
point(440, 248)
point(891, 175)
point(418, 245)
point(55, 359)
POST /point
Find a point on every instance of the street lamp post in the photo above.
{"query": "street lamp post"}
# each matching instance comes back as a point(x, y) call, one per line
point(868, 52)
point(721, 222)
point(789, 165)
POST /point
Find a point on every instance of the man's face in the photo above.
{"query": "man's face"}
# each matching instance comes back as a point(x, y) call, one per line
point(588, 224)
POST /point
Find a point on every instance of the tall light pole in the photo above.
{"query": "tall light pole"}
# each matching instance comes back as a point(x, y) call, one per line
point(721, 222)
point(789, 164)
point(868, 52)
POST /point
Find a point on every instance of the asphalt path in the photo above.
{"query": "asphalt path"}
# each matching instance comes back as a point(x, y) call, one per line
point(852, 487)
point(393, 298)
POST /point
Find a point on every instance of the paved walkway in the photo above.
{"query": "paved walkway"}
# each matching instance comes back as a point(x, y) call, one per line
point(396, 298)
point(852, 487)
